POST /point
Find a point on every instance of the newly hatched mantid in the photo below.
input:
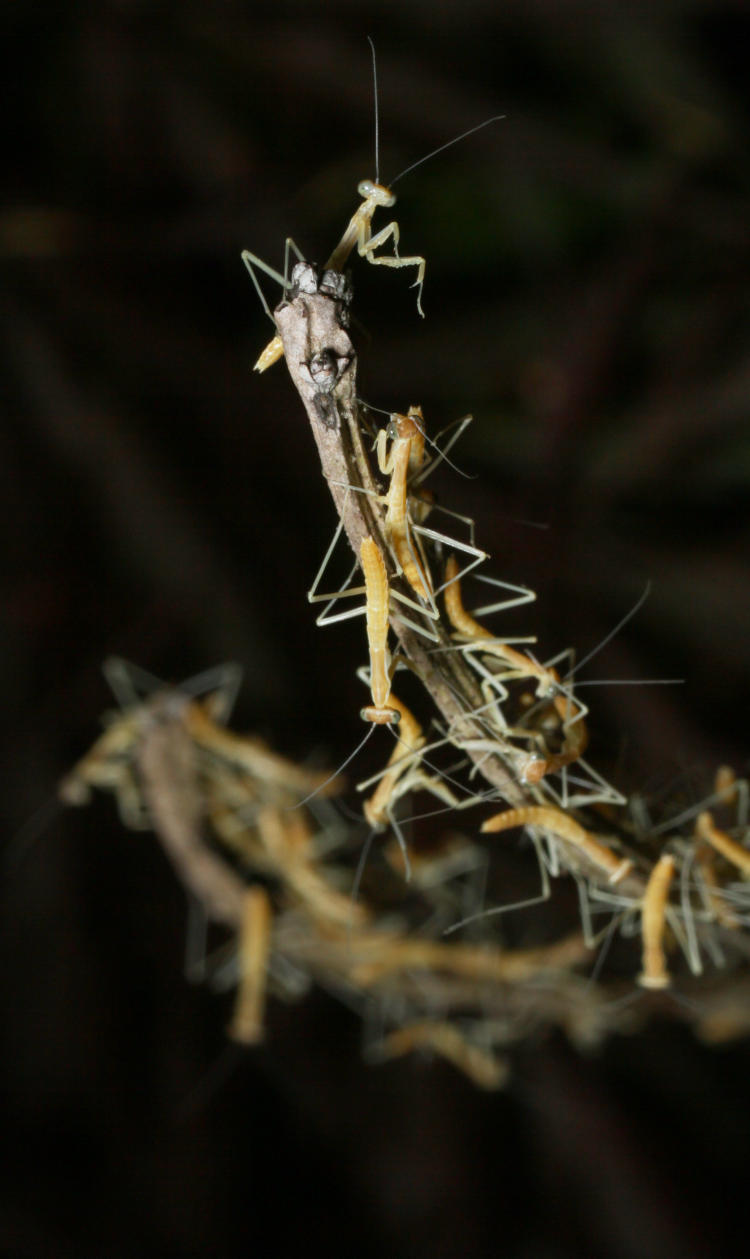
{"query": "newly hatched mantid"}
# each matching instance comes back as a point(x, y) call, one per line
point(563, 826)
point(570, 711)
point(735, 853)
point(653, 923)
point(401, 457)
point(410, 741)
point(357, 234)
point(402, 774)
point(404, 459)
point(253, 948)
point(377, 595)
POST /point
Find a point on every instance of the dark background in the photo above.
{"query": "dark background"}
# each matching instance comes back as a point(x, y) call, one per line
point(586, 298)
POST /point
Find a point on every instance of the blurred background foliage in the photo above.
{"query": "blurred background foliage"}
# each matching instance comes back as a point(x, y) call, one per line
point(586, 298)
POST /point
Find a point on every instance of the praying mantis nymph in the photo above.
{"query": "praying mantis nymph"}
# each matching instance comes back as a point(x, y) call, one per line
point(410, 740)
point(569, 711)
point(253, 948)
point(358, 231)
point(377, 593)
point(564, 827)
point(723, 843)
point(653, 923)
point(358, 234)
point(403, 773)
point(403, 459)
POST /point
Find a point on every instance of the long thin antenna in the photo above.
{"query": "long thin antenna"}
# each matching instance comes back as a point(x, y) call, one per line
point(455, 140)
point(377, 109)
point(608, 637)
point(335, 773)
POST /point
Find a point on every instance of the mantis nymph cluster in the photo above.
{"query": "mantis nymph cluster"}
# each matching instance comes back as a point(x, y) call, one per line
point(506, 733)
point(570, 712)
point(400, 448)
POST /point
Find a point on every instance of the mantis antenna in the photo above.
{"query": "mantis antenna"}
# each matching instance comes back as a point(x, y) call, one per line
point(376, 108)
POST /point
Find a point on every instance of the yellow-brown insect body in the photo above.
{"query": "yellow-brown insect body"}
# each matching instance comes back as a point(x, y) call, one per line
point(723, 843)
point(378, 595)
point(566, 828)
point(403, 460)
point(568, 710)
point(469, 628)
point(410, 740)
point(247, 1026)
point(653, 922)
